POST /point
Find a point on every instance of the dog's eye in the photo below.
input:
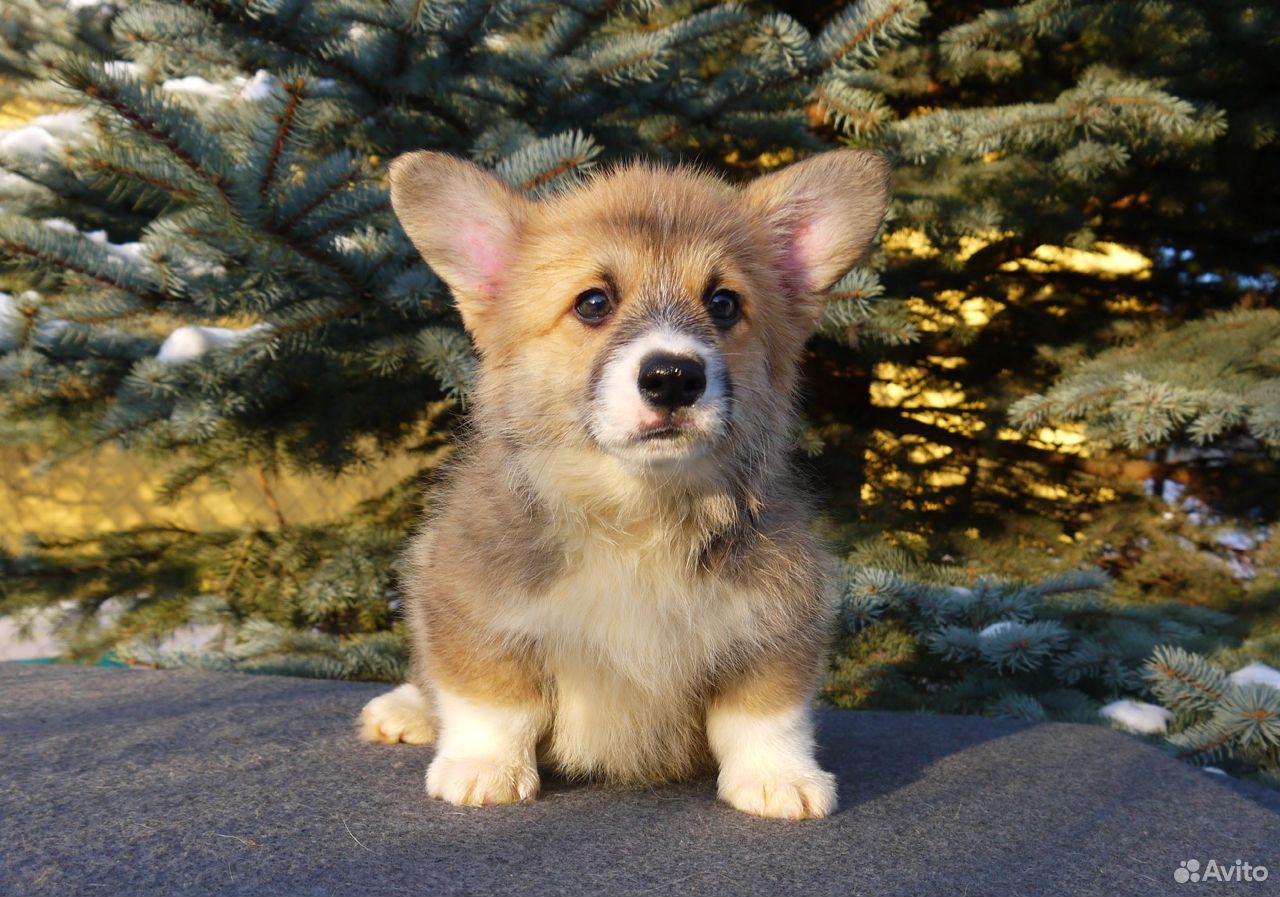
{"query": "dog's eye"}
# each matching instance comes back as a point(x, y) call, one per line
point(724, 308)
point(593, 306)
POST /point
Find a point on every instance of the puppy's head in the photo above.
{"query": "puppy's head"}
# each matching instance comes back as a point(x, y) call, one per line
point(655, 316)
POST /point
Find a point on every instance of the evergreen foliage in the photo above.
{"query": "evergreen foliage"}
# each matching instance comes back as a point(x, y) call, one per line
point(934, 637)
point(1201, 382)
point(1218, 720)
point(200, 264)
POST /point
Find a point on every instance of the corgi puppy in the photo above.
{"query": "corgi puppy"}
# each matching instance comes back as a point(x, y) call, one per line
point(619, 580)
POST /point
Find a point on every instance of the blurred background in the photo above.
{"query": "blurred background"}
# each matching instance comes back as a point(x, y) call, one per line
point(1044, 417)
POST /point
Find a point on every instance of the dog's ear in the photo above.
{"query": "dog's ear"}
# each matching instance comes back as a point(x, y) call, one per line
point(463, 220)
point(822, 214)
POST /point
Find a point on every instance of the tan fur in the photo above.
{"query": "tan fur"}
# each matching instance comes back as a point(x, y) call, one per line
point(623, 601)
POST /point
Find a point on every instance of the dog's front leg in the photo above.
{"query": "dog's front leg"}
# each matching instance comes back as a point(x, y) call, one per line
point(486, 753)
point(761, 731)
point(491, 715)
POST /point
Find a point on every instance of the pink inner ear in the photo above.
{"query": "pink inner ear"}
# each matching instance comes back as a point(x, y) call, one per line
point(803, 245)
point(483, 246)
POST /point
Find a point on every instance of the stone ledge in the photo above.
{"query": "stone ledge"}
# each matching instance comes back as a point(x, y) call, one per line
point(170, 783)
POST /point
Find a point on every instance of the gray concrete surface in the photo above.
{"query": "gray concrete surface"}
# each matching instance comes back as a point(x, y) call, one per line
point(170, 783)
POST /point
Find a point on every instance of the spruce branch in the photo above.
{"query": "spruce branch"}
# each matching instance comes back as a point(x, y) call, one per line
point(856, 34)
point(118, 170)
point(856, 111)
point(1185, 681)
point(550, 162)
point(140, 110)
point(286, 117)
point(322, 193)
point(75, 254)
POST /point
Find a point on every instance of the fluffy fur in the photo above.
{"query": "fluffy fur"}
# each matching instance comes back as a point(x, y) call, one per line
point(612, 605)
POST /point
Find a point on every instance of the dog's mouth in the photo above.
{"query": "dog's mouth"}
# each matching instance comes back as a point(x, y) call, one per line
point(665, 431)
point(674, 438)
point(661, 433)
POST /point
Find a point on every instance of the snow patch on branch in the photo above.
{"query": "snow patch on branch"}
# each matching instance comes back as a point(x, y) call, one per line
point(193, 341)
point(9, 305)
point(997, 628)
point(29, 142)
point(133, 253)
point(1138, 716)
point(122, 68)
point(129, 252)
point(1256, 672)
point(249, 90)
point(194, 85)
point(257, 88)
point(60, 224)
point(44, 136)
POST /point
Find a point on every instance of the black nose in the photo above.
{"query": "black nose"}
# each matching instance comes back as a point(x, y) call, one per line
point(672, 381)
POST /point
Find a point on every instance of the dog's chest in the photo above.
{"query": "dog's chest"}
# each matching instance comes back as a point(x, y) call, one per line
point(630, 638)
point(643, 612)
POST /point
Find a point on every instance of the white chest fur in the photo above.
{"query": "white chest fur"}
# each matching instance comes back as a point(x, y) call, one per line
point(629, 635)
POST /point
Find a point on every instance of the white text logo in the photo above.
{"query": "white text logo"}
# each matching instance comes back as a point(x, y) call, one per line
point(1191, 871)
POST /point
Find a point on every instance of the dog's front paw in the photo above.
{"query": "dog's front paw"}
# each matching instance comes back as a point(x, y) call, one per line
point(473, 782)
point(403, 714)
point(784, 795)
